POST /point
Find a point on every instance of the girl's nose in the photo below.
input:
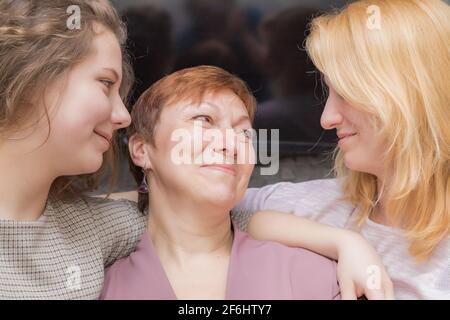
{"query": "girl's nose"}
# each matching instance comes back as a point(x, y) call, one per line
point(120, 116)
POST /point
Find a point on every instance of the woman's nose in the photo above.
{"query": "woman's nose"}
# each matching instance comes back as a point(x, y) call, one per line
point(120, 116)
point(226, 144)
point(331, 116)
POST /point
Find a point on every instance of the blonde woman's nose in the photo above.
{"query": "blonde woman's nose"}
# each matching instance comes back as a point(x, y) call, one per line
point(331, 116)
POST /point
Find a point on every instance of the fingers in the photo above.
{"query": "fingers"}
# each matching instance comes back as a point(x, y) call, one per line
point(348, 291)
point(375, 294)
point(386, 292)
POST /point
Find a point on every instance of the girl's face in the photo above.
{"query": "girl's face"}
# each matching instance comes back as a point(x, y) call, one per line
point(86, 109)
point(356, 133)
point(216, 168)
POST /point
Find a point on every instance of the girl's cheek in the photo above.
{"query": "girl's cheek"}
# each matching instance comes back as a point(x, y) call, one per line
point(100, 109)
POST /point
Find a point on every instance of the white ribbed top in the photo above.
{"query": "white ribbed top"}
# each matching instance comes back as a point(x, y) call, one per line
point(320, 201)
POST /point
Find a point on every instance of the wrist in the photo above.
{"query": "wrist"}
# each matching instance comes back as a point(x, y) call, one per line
point(346, 239)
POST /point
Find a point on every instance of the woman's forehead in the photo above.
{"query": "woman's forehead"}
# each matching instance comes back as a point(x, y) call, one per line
point(219, 103)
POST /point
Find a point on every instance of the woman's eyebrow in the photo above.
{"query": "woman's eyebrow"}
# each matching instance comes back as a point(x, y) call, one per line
point(211, 105)
point(240, 120)
point(243, 119)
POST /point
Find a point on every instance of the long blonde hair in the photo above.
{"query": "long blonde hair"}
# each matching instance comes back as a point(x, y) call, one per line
point(397, 70)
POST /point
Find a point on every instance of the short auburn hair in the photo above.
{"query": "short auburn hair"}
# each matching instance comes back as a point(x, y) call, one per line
point(187, 84)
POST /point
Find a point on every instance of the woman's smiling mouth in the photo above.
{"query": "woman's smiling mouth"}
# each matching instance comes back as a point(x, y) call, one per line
point(227, 168)
point(342, 137)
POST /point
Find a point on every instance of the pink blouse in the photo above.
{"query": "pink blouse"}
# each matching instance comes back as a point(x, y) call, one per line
point(257, 270)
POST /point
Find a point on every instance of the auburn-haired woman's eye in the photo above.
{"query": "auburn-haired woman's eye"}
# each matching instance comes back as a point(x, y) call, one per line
point(248, 133)
point(245, 135)
point(203, 117)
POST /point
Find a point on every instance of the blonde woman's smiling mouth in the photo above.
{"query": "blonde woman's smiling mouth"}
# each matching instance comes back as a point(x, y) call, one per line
point(344, 136)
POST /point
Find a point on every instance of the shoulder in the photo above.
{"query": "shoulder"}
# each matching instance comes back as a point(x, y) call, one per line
point(111, 217)
point(321, 187)
point(326, 187)
point(304, 198)
point(120, 275)
point(273, 251)
point(310, 275)
point(97, 204)
point(138, 276)
point(113, 210)
point(87, 204)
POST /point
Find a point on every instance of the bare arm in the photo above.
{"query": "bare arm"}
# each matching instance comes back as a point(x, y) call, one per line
point(298, 232)
point(357, 258)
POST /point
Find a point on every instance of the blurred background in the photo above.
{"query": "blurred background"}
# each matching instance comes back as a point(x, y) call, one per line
point(261, 41)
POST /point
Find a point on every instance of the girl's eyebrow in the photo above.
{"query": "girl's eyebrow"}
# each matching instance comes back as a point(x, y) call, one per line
point(113, 71)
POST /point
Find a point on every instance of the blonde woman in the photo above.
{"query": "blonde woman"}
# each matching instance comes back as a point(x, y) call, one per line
point(63, 79)
point(389, 98)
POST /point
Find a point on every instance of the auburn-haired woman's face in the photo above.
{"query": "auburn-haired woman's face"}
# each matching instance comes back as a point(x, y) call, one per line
point(204, 151)
point(356, 132)
point(86, 109)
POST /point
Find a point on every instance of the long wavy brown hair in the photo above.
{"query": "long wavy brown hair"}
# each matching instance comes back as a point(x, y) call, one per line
point(38, 48)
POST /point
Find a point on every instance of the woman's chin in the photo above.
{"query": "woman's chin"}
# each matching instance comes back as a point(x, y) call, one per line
point(221, 198)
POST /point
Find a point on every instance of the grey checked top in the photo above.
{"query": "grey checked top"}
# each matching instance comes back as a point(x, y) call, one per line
point(63, 254)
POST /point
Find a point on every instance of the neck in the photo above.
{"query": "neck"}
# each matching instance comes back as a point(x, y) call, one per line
point(24, 185)
point(379, 213)
point(181, 229)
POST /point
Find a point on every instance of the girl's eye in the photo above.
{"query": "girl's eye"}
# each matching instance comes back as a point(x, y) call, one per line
point(107, 83)
point(203, 118)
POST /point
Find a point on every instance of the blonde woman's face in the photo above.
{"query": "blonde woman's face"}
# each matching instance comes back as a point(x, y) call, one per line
point(356, 133)
point(85, 112)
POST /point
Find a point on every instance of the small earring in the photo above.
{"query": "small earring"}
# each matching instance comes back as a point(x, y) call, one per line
point(143, 188)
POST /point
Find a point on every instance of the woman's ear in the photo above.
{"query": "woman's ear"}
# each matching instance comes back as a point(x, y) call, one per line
point(139, 153)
